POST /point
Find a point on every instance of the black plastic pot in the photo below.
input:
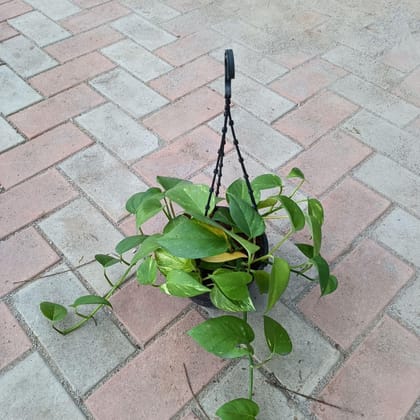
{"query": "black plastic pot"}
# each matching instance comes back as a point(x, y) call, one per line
point(262, 242)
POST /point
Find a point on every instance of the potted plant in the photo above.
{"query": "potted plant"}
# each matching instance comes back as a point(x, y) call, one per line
point(216, 251)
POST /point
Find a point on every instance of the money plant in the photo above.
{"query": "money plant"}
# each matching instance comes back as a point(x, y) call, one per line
point(211, 250)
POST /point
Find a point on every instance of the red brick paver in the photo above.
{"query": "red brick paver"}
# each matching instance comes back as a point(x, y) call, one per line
point(44, 115)
point(303, 82)
point(349, 209)
point(317, 116)
point(71, 73)
point(83, 43)
point(184, 79)
point(94, 17)
point(153, 310)
point(24, 255)
point(195, 150)
point(369, 278)
point(12, 9)
point(28, 159)
point(380, 380)
point(320, 169)
point(13, 340)
point(33, 199)
point(166, 390)
point(6, 31)
point(190, 111)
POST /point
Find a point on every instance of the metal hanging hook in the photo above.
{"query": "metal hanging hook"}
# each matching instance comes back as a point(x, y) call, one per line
point(229, 72)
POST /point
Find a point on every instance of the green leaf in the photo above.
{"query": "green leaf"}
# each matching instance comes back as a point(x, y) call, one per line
point(323, 274)
point(221, 301)
point(315, 228)
point(262, 278)
point(167, 262)
point(315, 209)
point(232, 284)
point(90, 300)
point(191, 197)
point(247, 245)
point(148, 246)
point(190, 240)
point(276, 336)
point(135, 201)
point(239, 190)
point(268, 202)
point(147, 271)
point(106, 260)
point(279, 279)
point(246, 217)
point(266, 182)
point(222, 215)
point(224, 336)
point(331, 285)
point(53, 311)
point(296, 173)
point(146, 210)
point(129, 243)
point(169, 182)
point(182, 284)
point(239, 409)
point(306, 249)
point(296, 216)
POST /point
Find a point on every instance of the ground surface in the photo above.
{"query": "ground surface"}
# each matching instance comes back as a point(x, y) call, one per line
point(98, 97)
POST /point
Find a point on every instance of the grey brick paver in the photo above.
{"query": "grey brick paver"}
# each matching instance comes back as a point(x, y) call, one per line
point(388, 139)
point(105, 124)
point(152, 10)
point(143, 32)
point(39, 28)
point(137, 60)
point(15, 94)
point(401, 232)
point(107, 181)
point(80, 232)
point(115, 85)
point(376, 100)
point(81, 364)
point(259, 139)
point(257, 99)
point(25, 57)
point(57, 9)
point(31, 391)
point(392, 180)
point(9, 137)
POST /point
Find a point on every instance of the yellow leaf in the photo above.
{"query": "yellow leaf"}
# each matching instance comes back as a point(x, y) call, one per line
point(225, 256)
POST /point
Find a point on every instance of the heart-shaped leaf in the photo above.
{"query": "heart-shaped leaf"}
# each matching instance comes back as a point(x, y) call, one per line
point(136, 200)
point(53, 311)
point(190, 240)
point(181, 284)
point(277, 338)
point(170, 182)
point(239, 409)
point(316, 210)
point(147, 271)
point(262, 278)
point(246, 217)
point(325, 281)
point(266, 182)
point(148, 246)
point(233, 284)
point(296, 173)
point(225, 257)
point(147, 210)
point(90, 300)
point(220, 301)
point(239, 189)
point(225, 336)
point(129, 243)
point(106, 260)
point(279, 279)
point(166, 262)
point(296, 216)
point(191, 197)
point(306, 249)
point(316, 233)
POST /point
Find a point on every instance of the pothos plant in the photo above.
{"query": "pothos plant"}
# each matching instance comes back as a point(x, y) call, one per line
point(218, 255)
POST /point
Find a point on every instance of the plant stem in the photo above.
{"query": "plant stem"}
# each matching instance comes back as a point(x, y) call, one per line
point(297, 188)
point(279, 244)
point(91, 315)
point(250, 366)
point(300, 273)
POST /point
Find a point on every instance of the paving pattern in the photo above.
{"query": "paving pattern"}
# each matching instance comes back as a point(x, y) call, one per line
point(97, 97)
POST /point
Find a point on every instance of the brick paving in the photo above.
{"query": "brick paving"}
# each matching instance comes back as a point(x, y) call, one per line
point(97, 97)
